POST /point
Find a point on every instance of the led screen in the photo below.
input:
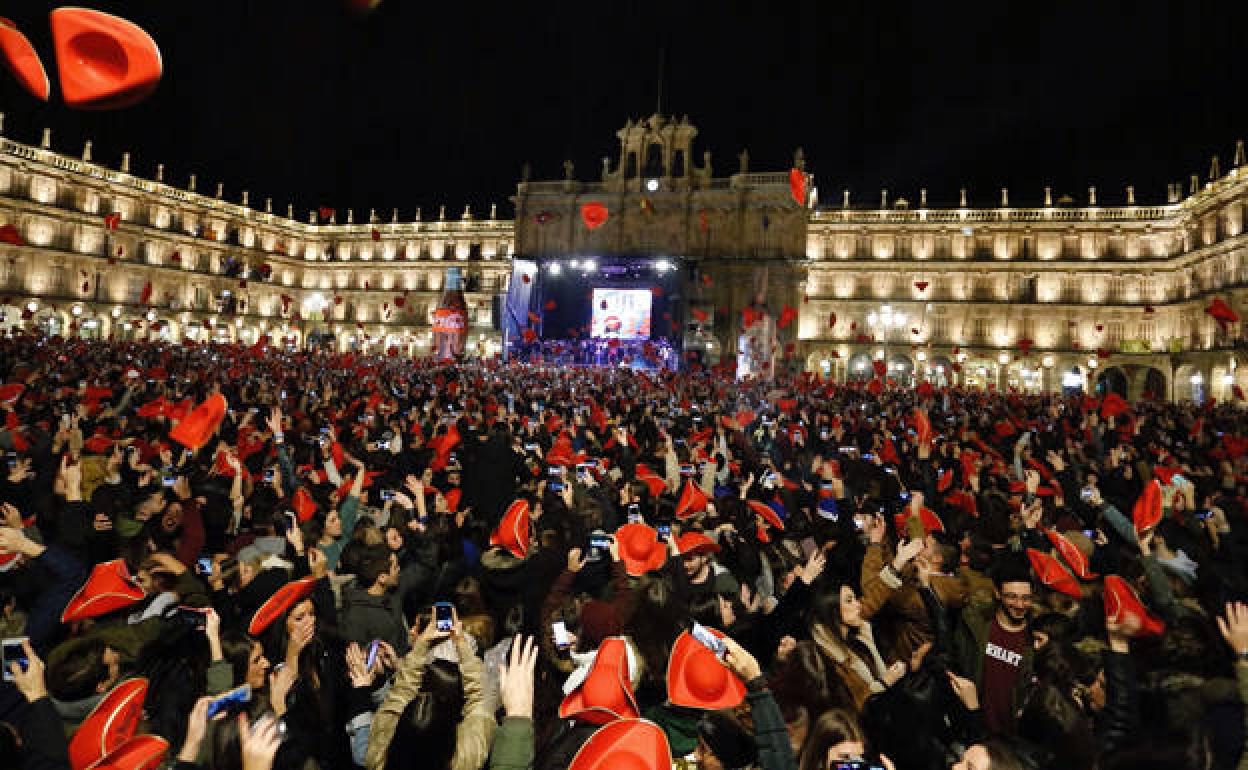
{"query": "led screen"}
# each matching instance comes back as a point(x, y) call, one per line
point(622, 313)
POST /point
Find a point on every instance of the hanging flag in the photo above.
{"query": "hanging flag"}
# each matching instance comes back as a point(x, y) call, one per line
point(797, 185)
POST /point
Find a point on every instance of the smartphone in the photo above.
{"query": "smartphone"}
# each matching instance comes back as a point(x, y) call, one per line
point(868, 456)
point(372, 654)
point(1085, 494)
point(824, 434)
point(709, 641)
point(634, 514)
point(530, 447)
point(268, 475)
point(229, 701)
point(12, 459)
point(1090, 534)
point(1204, 515)
point(686, 470)
point(383, 445)
point(556, 486)
point(562, 640)
point(203, 565)
point(664, 531)
point(854, 764)
point(555, 471)
point(325, 430)
point(168, 481)
point(283, 395)
point(12, 651)
point(452, 458)
point(442, 616)
point(193, 617)
point(903, 496)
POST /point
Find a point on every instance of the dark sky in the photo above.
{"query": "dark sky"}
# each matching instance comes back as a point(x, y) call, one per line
point(422, 103)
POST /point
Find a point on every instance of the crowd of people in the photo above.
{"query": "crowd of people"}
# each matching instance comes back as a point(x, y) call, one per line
point(226, 557)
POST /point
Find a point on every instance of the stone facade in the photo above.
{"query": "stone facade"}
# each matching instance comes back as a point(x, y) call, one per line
point(1112, 293)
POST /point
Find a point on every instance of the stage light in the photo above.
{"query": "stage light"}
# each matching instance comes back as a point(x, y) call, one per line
point(652, 184)
point(662, 265)
point(554, 268)
point(32, 306)
point(575, 264)
point(589, 264)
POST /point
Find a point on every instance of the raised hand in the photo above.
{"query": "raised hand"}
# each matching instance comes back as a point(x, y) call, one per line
point(515, 678)
point(1234, 627)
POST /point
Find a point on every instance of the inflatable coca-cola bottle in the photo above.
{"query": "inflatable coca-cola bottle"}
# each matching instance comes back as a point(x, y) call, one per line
point(450, 320)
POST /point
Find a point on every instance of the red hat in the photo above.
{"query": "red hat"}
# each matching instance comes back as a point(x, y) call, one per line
point(692, 543)
point(1164, 474)
point(142, 752)
point(109, 588)
point(697, 679)
point(927, 517)
point(98, 444)
point(304, 505)
point(1051, 572)
point(11, 392)
point(606, 694)
point(625, 744)
point(513, 530)
point(654, 483)
point(1114, 405)
point(23, 61)
point(594, 214)
point(198, 426)
point(945, 480)
point(768, 513)
point(280, 603)
point(104, 62)
point(640, 549)
point(452, 496)
point(692, 500)
point(112, 722)
point(1071, 554)
point(1122, 604)
point(1147, 511)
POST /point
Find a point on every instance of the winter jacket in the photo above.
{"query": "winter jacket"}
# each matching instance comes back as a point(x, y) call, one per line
point(366, 617)
point(513, 745)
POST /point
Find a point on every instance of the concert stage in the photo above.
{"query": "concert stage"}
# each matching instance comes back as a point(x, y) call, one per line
point(597, 310)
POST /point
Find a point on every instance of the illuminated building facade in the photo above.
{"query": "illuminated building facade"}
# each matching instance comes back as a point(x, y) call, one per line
point(1065, 293)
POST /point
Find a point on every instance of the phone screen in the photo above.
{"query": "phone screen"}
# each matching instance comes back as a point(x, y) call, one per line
point(709, 641)
point(442, 616)
point(203, 566)
point(562, 640)
point(664, 530)
point(372, 654)
point(12, 651)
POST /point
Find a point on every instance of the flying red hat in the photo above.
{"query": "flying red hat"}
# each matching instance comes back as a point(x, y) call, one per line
point(693, 543)
point(927, 517)
point(692, 500)
point(1147, 511)
point(653, 482)
point(606, 694)
point(1222, 312)
point(768, 513)
point(625, 744)
point(945, 480)
point(112, 722)
point(104, 62)
point(198, 426)
point(1051, 572)
point(109, 588)
point(23, 61)
point(142, 752)
point(640, 549)
point(594, 214)
point(11, 392)
point(280, 603)
point(697, 679)
point(797, 186)
point(513, 530)
point(1122, 605)
point(303, 504)
point(1071, 554)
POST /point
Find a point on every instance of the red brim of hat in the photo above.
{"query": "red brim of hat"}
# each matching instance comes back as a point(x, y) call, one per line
point(1051, 572)
point(1147, 511)
point(692, 500)
point(198, 426)
point(112, 722)
point(626, 744)
point(108, 588)
point(142, 752)
point(280, 603)
point(768, 514)
point(11, 392)
point(23, 61)
point(640, 549)
point(697, 679)
point(104, 62)
point(693, 543)
point(1121, 604)
point(513, 530)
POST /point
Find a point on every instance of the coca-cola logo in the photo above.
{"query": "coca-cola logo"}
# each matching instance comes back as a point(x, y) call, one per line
point(448, 320)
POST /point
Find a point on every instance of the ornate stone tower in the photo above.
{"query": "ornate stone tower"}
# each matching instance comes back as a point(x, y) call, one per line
point(656, 154)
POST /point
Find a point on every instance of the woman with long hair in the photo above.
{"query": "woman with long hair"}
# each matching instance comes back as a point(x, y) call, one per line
point(845, 638)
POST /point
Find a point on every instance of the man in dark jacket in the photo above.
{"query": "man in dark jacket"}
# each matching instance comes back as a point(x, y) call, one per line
point(371, 609)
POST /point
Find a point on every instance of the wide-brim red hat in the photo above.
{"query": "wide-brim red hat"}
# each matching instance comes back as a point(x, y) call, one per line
point(142, 752)
point(927, 517)
point(1122, 604)
point(98, 444)
point(198, 426)
point(512, 532)
point(280, 603)
point(23, 61)
point(768, 514)
point(697, 679)
point(1071, 555)
point(692, 500)
point(640, 549)
point(1147, 511)
point(626, 744)
point(112, 722)
point(654, 483)
point(304, 505)
point(606, 694)
point(1051, 572)
point(109, 588)
point(691, 543)
point(103, 61)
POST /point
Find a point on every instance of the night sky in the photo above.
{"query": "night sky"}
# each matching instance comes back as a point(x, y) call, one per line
point(419, 104)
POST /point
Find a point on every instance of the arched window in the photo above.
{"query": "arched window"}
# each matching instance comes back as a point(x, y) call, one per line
point(654, 160)
point(678, 163)
point(630, 166)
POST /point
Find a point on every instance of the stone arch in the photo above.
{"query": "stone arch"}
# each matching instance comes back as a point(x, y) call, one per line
point(901, 368)
point(1111, 379)
point(1190, 384)
point(859, 367)
point(1072, 378)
